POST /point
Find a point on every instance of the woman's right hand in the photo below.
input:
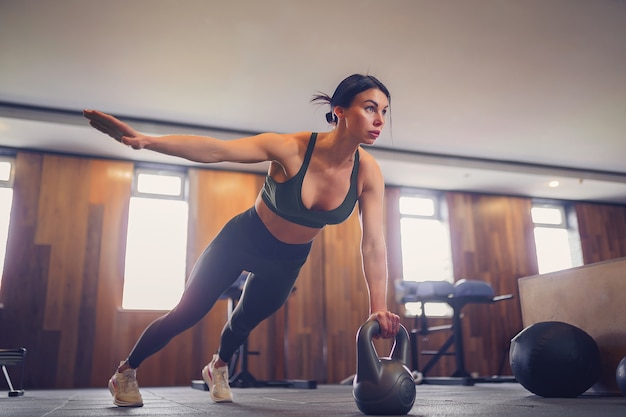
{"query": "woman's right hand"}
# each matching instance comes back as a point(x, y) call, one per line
point(115, 128)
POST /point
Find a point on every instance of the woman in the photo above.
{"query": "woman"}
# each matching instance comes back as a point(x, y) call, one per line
point(313, 180)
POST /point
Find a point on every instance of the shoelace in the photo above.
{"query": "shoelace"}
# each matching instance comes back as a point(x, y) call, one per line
point(220, 379)
point(129, 381)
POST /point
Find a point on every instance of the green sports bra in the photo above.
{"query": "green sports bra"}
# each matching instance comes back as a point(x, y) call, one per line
point(285, 198)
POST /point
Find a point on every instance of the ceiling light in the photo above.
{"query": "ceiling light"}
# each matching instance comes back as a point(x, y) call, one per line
point(553, 184)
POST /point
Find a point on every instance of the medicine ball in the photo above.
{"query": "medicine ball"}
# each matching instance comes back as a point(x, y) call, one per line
point(620, 376)
point(555, 359)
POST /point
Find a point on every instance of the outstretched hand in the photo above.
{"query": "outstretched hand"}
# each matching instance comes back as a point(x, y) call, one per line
point(389, 323)
point(115, 128)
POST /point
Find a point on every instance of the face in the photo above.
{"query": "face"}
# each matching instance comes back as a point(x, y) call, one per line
point(365, 117)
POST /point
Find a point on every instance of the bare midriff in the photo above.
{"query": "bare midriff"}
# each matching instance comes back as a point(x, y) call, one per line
point(282, 229)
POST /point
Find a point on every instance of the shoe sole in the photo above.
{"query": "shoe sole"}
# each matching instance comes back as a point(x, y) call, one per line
point(207, 381)
point(121, 403)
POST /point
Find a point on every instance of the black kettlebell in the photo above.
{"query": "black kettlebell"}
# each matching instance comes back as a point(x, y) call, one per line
point(620, 376)
point(382, 385)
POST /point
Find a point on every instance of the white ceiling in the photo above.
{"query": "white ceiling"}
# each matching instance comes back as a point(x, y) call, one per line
point(493, 96)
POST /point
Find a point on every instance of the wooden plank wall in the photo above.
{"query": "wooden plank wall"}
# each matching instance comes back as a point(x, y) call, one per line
point(492, 240)
point(63, 265)
point(346, 297)
point(602, 231)
point(63, 281)
point(63, 277)
point(214, 197)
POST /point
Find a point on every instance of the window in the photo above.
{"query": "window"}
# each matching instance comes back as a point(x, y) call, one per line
point(6, 201)
point(425, 243)
point(556, 238)
point(156, 247)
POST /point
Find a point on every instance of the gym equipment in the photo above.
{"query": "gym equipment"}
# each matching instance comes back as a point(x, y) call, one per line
point(242, 378)
point(457, 296)
point(13, 357)
point(554, 359)
point(382, 385)
point(620, 376)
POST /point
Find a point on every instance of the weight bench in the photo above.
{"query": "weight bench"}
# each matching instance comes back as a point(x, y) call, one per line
point(13, 357)
point(242, 378)
point(457, 296)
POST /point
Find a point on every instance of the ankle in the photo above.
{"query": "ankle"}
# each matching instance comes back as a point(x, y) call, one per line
point(123, 366)
point(219, 363)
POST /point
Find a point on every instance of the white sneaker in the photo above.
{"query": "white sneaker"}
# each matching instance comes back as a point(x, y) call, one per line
point(217, 380)
point(125, 390)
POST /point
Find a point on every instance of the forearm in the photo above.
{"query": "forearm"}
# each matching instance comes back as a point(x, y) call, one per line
point(194, 148)
point(375, 271)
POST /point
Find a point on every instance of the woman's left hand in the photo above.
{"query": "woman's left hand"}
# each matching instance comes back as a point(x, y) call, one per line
point(389, 323)
point(118, 130)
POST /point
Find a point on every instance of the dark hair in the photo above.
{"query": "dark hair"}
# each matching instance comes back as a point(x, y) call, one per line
point(346, 91)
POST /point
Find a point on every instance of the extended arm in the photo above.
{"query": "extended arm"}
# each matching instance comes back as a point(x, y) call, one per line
point(373, 249)
point(263, 147)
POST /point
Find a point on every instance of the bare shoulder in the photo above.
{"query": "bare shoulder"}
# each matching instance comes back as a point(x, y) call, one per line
point(286, 141)
point(285, 151)
point(301, 138)
point(271, 146)
point(369, 167)
point(371, 181)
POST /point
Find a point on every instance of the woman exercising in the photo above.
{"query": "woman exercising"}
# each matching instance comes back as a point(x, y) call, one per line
point(313, 180)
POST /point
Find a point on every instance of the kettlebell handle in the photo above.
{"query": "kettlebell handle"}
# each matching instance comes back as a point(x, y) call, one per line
point(400, 350)
point(372, 327)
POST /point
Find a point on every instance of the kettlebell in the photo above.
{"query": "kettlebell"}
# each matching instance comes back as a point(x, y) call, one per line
point(620, 376)
point(382, 385)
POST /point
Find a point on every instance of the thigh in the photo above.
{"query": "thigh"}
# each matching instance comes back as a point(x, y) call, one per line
point(262, 296)
point(213, 273)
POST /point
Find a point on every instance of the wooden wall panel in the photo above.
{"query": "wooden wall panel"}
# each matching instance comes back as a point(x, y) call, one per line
point(25, 278)
point(110, 191)
point(492, 240)
point(53, 257)
point(215, 197)
point(63, 277)
point(62, 224)
point(67, 246)
point(86, 333)
point(602, 229)
point(305, 322)
point(347, 300)
point(588, 297)
point(433, 341)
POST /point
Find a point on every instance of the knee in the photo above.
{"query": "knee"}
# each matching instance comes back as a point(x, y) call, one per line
point(240, 325)
point(178, 320)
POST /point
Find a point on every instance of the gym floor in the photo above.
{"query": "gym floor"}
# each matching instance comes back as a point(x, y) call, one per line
point(485, 400)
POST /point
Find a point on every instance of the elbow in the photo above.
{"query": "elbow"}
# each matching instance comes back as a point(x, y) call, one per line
point(375, 250)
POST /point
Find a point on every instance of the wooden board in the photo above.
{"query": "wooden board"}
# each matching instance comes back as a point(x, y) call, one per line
point(590, 297)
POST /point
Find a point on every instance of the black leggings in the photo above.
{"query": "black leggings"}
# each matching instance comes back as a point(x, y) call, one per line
point(244, 244)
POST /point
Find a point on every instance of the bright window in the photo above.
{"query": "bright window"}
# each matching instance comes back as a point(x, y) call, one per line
point(156, 247)
point(6, 201)
point(6, 170)
point(425, 242)
point(556, 240)
point(159, 184)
